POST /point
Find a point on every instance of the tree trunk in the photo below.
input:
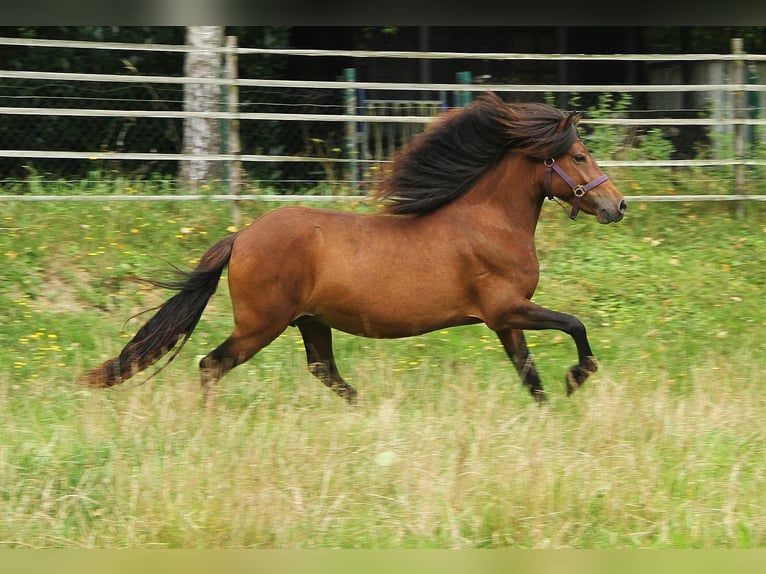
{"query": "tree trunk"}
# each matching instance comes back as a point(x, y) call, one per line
point(202, 135)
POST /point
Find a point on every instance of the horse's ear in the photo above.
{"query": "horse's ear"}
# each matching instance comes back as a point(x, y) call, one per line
point(571, 119)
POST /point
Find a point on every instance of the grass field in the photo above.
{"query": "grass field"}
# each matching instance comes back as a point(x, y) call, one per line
point(664, 447)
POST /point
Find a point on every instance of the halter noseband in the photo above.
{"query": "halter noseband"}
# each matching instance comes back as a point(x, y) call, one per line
point(577, 189)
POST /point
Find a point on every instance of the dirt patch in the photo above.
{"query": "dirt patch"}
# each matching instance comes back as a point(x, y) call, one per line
point(59, 293)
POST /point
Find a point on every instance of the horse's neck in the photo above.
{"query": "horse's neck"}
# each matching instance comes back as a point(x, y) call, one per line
point(510, 191)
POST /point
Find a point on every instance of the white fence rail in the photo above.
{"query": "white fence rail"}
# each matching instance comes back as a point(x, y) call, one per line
point(737, 121)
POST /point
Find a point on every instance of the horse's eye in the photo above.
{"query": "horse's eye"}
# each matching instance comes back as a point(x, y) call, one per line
point(579, 158)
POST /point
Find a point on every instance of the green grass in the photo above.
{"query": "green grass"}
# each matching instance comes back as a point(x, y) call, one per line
point(663, 448)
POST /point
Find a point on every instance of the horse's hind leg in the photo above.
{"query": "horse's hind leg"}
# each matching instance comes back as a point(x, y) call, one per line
point(317, 338)
point(515, 346)
point(234, 351)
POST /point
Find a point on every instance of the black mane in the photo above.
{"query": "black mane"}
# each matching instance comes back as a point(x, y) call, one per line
point(448, 158)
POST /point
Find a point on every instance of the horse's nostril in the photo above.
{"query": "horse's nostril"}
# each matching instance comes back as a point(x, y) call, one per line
point(623, 206)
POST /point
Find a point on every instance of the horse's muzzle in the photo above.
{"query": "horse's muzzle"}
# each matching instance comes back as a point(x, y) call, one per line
point(613, 215)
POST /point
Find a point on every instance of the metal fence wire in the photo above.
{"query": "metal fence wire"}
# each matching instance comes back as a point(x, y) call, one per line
point(96, 134)
point(156, 135)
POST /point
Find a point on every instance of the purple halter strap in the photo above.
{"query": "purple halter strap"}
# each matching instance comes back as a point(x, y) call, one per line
point(577, 189)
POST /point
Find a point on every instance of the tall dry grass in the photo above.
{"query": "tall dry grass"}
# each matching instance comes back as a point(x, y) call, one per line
point(430, 459)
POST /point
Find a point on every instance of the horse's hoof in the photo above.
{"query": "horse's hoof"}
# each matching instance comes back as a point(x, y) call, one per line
point(579, 373)
point(352, 399)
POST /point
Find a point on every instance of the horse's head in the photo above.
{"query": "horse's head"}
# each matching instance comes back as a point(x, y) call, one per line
point(576, 178)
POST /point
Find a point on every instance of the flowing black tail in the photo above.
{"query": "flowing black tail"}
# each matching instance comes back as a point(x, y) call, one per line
point(175, 319)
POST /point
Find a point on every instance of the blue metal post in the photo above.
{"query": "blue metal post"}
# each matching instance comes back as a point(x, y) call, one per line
point(349, 75)
point(463, 98)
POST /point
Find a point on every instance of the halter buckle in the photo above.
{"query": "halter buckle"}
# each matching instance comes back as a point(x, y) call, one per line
point(578, 190)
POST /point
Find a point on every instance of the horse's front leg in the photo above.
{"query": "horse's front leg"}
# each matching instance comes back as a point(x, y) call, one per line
point(515, 346)
point(529, 316)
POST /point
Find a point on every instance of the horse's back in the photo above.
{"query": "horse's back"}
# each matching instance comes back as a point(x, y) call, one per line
point(299, 231)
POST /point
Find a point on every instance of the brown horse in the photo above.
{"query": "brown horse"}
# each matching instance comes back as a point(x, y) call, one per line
point(454, 245)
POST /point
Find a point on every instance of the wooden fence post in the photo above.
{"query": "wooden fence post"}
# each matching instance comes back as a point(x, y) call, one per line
point(738, 104)
point(235, 165)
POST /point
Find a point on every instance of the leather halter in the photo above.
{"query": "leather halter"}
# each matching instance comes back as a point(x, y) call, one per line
point(578, 189)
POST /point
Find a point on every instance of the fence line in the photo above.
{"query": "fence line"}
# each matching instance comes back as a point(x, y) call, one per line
point(350, 118)
point(109, 155)
point(392, 86)
point(280, 116)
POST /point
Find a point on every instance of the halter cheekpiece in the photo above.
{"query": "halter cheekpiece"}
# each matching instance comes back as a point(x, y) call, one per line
point(578, 189)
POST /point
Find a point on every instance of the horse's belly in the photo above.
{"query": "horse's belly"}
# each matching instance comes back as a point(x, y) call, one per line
point(391, 317)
